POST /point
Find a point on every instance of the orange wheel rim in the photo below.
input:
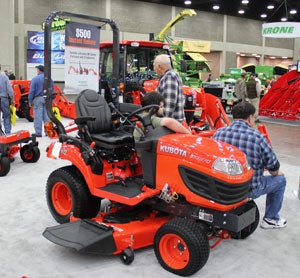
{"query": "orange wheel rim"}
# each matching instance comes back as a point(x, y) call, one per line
point(174, 251)
point(61, 198)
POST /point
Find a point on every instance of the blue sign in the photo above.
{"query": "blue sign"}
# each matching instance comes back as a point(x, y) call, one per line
point(37, 57)
point(36, 41)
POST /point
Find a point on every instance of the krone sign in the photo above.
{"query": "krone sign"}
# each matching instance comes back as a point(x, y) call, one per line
point(281, 30)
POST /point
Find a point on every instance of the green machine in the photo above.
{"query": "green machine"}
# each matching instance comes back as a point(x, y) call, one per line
point(186, 55)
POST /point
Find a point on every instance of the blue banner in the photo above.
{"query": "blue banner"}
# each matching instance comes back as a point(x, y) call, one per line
point(36, 41)
point(37, 57)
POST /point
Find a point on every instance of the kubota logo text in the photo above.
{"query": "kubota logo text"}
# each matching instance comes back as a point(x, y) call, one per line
point(173, 150)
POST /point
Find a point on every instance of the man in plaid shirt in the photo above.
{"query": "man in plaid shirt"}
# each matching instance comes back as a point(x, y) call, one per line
point(260, 156)
point(170, 86)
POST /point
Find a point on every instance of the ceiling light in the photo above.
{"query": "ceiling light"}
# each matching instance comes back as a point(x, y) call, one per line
point(293, 11)
point(216, 7)
point(245, 2)
point(263, 15)
point(241, 11)
point(272, 57)
point(270, 7)
point(283, 19)
point(187, 2)
point(284, 57)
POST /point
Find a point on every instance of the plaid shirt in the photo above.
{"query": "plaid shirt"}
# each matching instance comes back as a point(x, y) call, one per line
point(170, 86)
point(254, 144)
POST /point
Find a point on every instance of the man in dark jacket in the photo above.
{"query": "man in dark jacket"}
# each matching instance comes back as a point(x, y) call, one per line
point(253, 89)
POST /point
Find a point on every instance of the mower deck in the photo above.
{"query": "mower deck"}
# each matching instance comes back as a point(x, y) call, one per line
point(106, 236)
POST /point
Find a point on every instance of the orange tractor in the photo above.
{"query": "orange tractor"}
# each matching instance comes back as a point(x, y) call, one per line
point(61, 105)
point(183, 193)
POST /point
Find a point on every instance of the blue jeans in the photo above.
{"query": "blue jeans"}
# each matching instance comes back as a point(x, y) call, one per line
point(40, 114)
point(4, 107)
point(274, 187)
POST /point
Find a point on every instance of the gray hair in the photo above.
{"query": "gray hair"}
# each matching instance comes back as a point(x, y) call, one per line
point(164, 60)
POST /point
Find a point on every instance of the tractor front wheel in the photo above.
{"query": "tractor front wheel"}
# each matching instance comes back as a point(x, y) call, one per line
point(67, 193)
point(4, 166)
point(181, 246)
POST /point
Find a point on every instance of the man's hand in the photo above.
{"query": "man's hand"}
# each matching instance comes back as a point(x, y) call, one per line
point(276, 173)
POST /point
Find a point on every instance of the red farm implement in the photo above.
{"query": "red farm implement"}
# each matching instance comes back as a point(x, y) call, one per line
point(283, 99)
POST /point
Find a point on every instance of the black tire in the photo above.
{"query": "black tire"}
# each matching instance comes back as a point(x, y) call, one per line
point(127, 256)
point(67, 193)
point(252, 227)
point(28, 112)
point(20, 113)
point(30, 154)
point(4, 166)
point(181, 246)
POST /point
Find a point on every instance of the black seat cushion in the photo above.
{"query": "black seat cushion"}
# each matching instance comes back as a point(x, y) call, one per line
point(91, 104)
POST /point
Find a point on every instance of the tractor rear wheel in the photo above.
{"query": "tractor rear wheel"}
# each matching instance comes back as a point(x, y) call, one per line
point(28, 112)
point(181, 246)
point(4, 166)
point(20, 110)
point(30, 154)
point(67, 193)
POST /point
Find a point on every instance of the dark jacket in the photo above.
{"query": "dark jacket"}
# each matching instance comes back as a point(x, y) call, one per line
point(251, 88)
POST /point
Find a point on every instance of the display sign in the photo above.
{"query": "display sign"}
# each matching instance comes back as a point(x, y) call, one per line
point(82, 57)
point(235, 71)
point(281, 30)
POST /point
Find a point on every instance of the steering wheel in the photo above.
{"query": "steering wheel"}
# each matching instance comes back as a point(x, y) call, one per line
point(146, 120)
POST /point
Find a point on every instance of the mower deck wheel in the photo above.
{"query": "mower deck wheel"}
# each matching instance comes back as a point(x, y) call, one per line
point(127, 256)
point(30, 154)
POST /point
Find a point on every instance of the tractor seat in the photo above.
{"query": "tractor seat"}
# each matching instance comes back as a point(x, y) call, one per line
point(95, 122)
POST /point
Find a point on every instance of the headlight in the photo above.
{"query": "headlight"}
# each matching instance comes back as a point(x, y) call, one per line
point(228, 166)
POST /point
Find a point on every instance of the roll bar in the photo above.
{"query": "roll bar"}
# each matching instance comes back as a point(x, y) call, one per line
point(47, 58)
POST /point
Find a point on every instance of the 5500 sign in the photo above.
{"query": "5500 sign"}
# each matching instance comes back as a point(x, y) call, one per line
point(83, 33)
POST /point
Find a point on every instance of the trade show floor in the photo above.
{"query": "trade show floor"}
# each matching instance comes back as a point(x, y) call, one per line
point(24, 215)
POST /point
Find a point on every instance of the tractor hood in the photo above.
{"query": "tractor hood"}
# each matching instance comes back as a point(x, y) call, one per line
point(212, 172)
point(206, 155)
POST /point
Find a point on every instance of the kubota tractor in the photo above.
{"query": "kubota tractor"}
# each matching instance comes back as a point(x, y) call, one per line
point(61, 105)
point(137, 76)
point(181, 194)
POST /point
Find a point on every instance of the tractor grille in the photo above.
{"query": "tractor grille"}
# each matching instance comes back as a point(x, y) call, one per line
point(213, 189)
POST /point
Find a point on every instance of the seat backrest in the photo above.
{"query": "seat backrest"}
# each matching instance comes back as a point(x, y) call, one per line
point(90, 103)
